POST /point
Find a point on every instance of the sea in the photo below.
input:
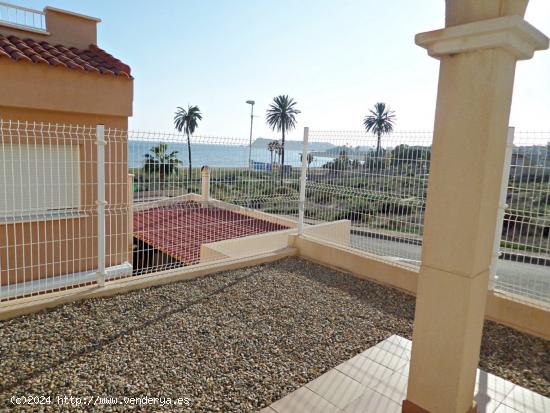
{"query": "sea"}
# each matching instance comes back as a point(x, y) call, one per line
point(226, 156)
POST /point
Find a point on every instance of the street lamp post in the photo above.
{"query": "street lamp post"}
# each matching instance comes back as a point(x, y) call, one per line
point(251, 103)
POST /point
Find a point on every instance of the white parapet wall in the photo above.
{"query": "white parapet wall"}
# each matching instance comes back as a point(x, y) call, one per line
point(337, 231)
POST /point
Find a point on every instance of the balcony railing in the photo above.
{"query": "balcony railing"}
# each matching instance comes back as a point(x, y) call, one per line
point(21, 17)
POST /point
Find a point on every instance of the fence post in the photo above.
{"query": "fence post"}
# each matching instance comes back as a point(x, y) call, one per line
point(100, 143)
point(303, 180)
point(205, 183)
point(130, 212)
point(501, 206)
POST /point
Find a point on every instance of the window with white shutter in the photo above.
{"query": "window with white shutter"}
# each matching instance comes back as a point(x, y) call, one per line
point(39, 179)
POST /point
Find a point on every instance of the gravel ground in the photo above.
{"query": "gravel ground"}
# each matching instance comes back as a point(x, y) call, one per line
point(232, 342)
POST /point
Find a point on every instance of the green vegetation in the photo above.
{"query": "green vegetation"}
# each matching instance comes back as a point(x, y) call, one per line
point(160, 162)
point(390, 201)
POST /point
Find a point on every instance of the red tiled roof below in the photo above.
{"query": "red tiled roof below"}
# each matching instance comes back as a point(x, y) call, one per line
point(92, 59)
point(180, 229)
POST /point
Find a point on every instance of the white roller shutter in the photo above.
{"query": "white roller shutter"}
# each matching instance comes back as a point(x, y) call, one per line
point(37, 179)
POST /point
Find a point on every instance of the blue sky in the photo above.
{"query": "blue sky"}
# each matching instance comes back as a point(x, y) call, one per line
point(336, 58)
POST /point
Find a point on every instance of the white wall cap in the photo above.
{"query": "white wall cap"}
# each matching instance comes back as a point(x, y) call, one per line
point(70, 13)
point(511, 33)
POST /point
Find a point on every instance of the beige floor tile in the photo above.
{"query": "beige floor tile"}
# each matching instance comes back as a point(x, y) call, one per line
point(496, 387)
point(376, 381)
point(364, 370)
point(404, 371)
point(527, 401)
point(402, 341)
point(505, 409)
point(267, 409)
point(373, 402)
point(303, 400)
point(394, 387)
point(387, 359)
point(486, 404)
point(397, 346)
point(337, 388)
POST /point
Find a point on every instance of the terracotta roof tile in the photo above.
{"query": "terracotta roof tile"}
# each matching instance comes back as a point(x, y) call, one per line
point(180, 229)
point(92, 59)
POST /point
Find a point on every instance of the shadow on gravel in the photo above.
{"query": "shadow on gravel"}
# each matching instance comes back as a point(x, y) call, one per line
point(113, 338)
point(389, 300)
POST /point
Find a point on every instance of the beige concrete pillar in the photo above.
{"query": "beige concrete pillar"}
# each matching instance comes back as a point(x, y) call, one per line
point(478, 51)
point(205, 183)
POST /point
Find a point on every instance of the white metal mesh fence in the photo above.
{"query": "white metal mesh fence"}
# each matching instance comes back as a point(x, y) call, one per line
point(178, 210)
point(158, 213)
point(48, 215)
point(524, 265)
point(382, 191)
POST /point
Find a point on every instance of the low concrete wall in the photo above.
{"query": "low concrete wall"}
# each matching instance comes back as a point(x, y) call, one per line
point(29, 305)
point(272, 241)
point(338, 232)
point(246, 246)
point(503, 309)
point(360, 264)
point(512, 312)
point(258, 249)
point(140, 206)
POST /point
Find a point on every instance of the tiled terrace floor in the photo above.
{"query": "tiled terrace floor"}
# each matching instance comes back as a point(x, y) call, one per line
point(376, 381)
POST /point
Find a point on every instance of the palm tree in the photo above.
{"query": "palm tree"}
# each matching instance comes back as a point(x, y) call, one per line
point(380, 122)
point(272, 147)
point(187, 121)
point(310, 159)
point(161, 162)
point(279, 152)
point(281, 116)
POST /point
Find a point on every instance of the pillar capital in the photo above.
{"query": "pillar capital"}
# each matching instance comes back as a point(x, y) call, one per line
point(511, 33)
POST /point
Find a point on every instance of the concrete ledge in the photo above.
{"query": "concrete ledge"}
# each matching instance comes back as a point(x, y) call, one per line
point(507, 310)
point(29, 305)
point(503, 309)
point(360, 264)
point(339, 231)
point(140, 206)
point(258, 249)
point(246, 246)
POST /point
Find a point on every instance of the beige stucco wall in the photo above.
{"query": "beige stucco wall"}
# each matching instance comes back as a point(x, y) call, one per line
point(28, 85)
point(41, 93)
point(62, 27)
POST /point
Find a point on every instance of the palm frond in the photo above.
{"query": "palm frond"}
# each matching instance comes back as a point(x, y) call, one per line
point(381, 120)
point(281, 113)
